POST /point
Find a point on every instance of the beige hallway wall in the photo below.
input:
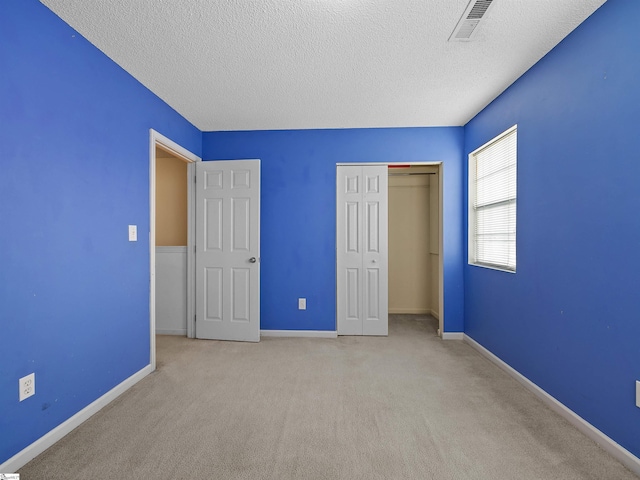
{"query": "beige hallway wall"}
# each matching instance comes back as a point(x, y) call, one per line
point(409, 254)
point(171, 200)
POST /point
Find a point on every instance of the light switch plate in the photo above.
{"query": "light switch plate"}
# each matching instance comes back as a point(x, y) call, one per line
point(302, 304)
point(133, 233)
point(638, 393)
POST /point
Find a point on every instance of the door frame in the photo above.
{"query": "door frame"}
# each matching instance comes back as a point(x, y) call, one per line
point(156, 139)
point(440, 166)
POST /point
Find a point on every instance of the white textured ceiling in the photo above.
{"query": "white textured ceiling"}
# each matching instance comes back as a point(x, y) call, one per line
point(296, 64)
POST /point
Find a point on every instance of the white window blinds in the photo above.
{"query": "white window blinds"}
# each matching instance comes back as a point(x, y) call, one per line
point(492, 198)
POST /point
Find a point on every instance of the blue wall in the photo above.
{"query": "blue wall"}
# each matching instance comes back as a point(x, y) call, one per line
point(569, 319)
point(298, 211)
point(74, 293)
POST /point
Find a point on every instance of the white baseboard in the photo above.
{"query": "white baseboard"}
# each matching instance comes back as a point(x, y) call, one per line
point(410, 311)
point(415, 311)
point(616, 450)
point(299, 333)
point(165, 331)
point(36, 448)
point(452, 336)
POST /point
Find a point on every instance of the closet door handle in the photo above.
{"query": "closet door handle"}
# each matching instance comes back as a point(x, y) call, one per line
point(252, 260)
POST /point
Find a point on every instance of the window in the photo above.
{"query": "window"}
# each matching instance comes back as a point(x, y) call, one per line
point(492, 203)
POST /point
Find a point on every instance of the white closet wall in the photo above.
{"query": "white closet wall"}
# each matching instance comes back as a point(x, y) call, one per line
point(434, 243)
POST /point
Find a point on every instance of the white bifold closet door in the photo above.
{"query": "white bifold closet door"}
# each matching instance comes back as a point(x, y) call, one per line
point(362, 250)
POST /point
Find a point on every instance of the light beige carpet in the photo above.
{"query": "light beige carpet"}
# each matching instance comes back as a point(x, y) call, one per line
point(409, 406)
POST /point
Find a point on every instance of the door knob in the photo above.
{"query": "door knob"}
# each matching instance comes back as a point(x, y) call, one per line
point(252, 260)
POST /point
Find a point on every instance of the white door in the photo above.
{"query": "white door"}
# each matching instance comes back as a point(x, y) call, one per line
point(228, 250)
point(362, 250)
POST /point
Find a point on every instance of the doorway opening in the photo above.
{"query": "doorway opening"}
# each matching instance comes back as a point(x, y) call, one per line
point(172, 228)
point(167, 160)
point(414, 240)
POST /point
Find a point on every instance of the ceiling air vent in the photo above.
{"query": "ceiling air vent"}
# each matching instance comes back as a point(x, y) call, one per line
point(470, 20)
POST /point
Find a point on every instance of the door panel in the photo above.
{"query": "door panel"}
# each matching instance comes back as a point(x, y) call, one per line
point(240, 221)
point(213, 227)
point(373, 183)
point(214, 293)
point(373, 227)
point(373, 285)
point(241, 293)
point(352, 294)
point(352, 227)
point(361, 244)
point(228, 250)
point(241, 179)
point(375, 256)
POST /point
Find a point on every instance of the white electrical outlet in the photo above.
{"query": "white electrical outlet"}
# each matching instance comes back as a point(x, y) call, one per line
point(133, 233)
point(638, 393)
point(302, 304)
point(27, 386)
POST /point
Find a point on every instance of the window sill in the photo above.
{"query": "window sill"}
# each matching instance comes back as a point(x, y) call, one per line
point(492, 267)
